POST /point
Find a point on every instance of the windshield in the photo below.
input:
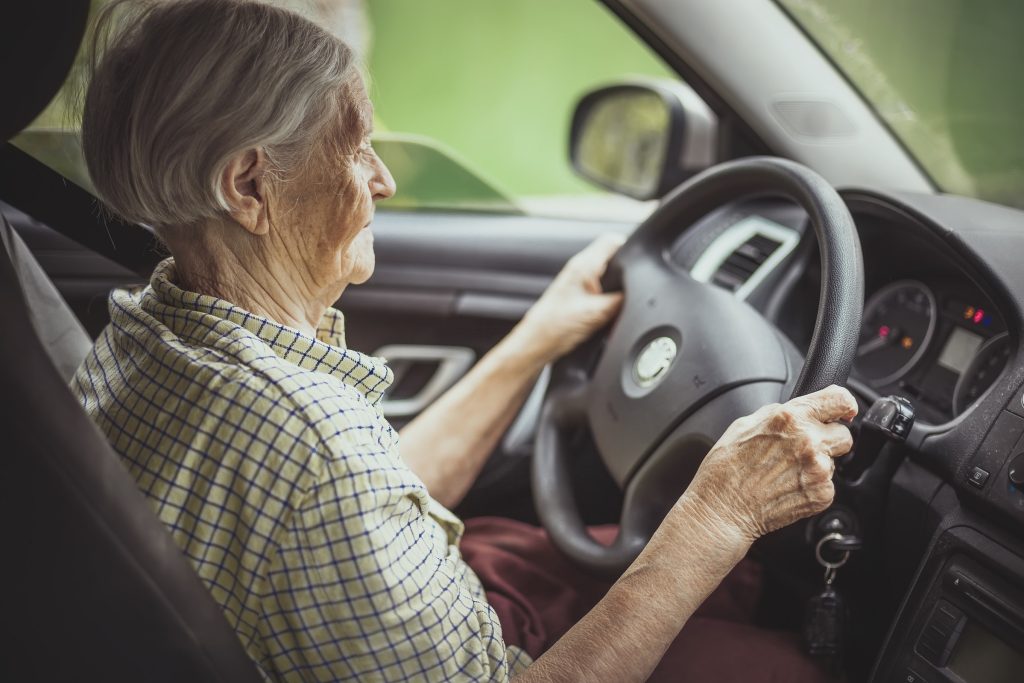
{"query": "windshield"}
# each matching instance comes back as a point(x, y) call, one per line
point(943, 74)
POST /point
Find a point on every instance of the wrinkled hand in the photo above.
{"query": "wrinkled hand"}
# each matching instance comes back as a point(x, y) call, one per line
point(775, 467)
point(573, 307)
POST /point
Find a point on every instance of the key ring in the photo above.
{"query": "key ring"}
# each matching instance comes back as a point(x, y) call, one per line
point(830, 565)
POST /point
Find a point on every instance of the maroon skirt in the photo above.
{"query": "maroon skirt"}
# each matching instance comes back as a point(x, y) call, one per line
point(539, 595)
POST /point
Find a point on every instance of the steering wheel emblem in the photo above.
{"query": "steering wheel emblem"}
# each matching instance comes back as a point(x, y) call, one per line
point(654, 360)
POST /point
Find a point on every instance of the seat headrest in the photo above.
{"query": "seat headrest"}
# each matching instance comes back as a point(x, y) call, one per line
point(38, 43)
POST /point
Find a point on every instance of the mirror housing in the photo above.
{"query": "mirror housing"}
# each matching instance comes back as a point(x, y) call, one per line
point(642, 138)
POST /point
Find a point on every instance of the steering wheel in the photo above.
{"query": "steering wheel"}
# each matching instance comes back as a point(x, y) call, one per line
point(684, 359)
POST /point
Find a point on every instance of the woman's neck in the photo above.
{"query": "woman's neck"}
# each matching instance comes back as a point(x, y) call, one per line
point(241, 274)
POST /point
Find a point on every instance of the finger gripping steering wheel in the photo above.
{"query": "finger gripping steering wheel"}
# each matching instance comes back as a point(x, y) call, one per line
point(684, 359)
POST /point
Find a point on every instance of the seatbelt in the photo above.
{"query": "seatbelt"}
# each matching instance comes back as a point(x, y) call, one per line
point(63, 337)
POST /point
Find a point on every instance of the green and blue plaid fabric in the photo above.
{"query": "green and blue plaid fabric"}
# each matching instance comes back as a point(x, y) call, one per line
point(265, 453)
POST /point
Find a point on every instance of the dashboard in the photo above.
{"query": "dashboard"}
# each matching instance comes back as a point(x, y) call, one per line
point(931, 331)
point(943, 597)
point(940, 344)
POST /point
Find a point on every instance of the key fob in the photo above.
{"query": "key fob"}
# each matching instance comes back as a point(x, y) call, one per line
point(824, 621)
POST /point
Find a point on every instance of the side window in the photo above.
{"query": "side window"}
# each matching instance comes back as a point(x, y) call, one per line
point(473, 98)
point(494, 85)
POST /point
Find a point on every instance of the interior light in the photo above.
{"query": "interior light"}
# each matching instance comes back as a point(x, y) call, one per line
point(969, 313)
point(907, 342)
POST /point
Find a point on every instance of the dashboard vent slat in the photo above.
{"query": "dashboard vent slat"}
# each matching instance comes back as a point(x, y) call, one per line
point(744, 261)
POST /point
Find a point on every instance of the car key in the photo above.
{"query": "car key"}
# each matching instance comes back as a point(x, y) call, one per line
point(825, 613)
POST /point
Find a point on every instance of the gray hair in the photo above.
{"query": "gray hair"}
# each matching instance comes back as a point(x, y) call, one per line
point(178, 88)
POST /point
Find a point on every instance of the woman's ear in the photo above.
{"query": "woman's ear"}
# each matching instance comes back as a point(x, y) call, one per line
point(243, 183)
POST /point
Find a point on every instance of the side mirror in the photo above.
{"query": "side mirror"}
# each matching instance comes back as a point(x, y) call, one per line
point(642, 138)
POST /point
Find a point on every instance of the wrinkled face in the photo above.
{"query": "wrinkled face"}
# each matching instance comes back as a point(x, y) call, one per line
point(332, 204)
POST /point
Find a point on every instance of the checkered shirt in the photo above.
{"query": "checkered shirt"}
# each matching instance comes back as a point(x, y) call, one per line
point(266, 454)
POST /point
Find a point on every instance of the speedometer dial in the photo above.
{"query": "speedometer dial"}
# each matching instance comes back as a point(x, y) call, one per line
point(899, 321)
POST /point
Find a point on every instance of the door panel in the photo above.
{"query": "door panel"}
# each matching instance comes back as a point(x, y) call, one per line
point(444, 366)
point(457, 279)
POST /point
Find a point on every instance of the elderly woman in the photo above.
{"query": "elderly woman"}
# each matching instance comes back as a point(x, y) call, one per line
point(241, 133)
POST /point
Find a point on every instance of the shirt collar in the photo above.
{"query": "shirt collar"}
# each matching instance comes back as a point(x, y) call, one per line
point(327, 353)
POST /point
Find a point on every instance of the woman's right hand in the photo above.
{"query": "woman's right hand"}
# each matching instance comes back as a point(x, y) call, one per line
point(775, 467)
point(767, 470)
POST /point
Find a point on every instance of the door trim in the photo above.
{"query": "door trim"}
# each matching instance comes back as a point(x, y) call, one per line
point(453, 362)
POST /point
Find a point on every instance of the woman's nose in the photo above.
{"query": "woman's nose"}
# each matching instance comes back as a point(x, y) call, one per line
point(382, 185)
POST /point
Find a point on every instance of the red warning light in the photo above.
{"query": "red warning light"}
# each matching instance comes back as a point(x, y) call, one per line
point(884, 331)
point(979, 315)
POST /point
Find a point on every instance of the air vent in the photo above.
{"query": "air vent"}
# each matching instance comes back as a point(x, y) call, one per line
point(744, 261)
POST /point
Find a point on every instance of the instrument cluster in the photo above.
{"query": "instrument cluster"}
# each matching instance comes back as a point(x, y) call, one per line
point(940, 346)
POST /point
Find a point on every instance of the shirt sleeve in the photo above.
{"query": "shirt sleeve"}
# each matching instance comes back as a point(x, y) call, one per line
point(365, 585)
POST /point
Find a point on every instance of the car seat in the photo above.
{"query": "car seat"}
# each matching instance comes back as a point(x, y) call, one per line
point(94, 587)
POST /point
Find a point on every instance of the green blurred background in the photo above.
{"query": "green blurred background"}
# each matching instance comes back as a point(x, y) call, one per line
point(473, 98)
point(497, 81)
point(944, 74)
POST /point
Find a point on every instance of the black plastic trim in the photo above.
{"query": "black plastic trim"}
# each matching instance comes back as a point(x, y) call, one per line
point(44, 194)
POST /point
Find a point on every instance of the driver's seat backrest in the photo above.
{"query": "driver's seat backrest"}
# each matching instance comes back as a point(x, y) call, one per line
point(60, 332)
point(95, 588)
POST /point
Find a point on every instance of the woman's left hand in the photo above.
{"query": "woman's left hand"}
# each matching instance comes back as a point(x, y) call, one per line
point(573, 307)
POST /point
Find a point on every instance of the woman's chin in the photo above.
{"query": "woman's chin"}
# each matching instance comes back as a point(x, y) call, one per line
point(358, 261)
point(361, 269)
point(361, 276)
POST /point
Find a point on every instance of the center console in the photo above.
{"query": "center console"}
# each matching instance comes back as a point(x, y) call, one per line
point(964, 620)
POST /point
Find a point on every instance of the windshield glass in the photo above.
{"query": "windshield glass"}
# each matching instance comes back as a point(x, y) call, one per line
point(943, 74)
